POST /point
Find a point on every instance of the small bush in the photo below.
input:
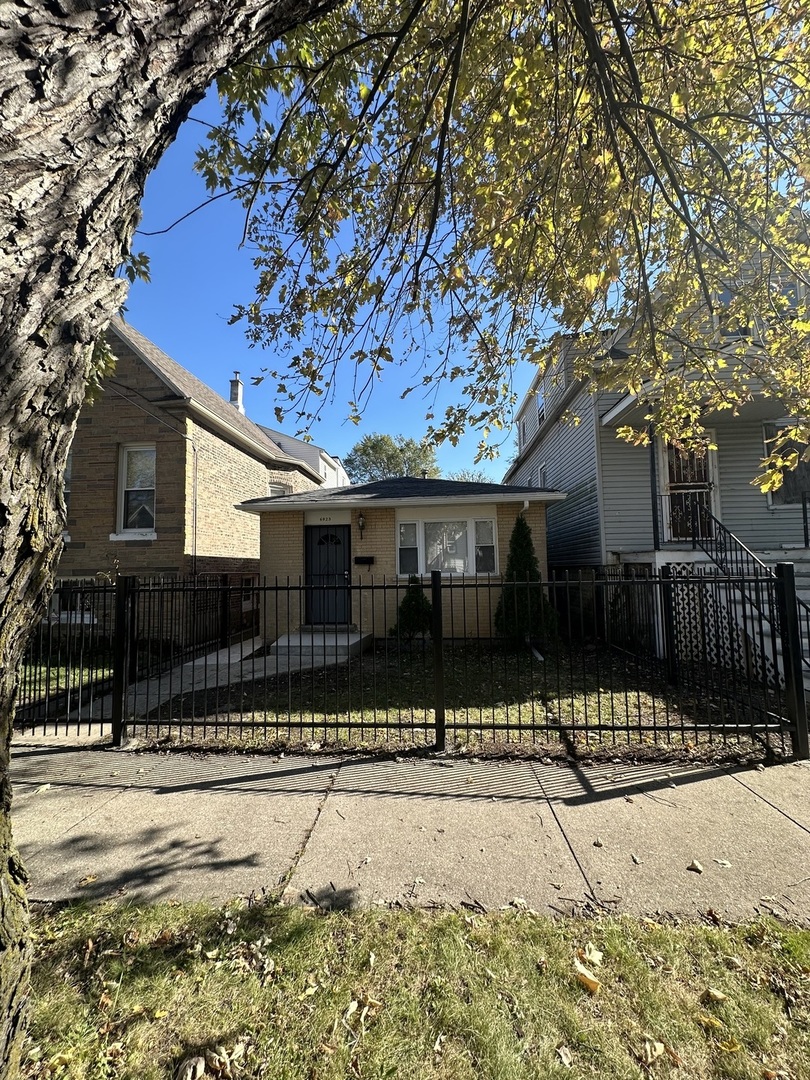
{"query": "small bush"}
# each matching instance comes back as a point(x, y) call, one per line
point(415, 612)
point(523, 613)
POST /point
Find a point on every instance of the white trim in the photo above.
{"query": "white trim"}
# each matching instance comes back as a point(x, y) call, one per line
point(328, 517)
point(134, 534)
point(121, 532)
point(369, 502)
point(220, 425)
point(482, 512)
point(782, 422)
point(663, 483)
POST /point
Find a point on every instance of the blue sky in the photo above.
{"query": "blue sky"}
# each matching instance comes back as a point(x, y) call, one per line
point(199, 272)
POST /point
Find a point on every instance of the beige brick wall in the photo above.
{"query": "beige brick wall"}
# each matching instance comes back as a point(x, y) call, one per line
point(129, 411)
point(104, 427)
point(225, 475)
point(467, 612)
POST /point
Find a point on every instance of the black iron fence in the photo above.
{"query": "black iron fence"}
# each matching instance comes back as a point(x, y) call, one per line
point(597, 658)
point(99, 638)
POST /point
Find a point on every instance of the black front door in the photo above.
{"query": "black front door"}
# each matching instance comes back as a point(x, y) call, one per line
point(327, 573)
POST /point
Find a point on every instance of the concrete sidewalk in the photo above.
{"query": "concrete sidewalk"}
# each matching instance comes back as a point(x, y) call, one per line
point(356, 831)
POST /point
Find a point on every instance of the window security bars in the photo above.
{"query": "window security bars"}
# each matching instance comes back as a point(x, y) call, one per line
point(584, 662)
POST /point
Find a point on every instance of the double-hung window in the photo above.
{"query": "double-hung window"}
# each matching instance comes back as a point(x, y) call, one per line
point(453, 546)
point(796, 482)
point(136, 493)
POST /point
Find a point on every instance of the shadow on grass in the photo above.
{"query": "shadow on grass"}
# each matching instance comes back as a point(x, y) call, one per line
point(578, 696)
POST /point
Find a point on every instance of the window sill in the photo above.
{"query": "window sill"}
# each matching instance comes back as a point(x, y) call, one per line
point(134, 534)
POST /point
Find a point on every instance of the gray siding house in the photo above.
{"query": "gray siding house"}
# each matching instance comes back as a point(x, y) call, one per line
point(638, 504)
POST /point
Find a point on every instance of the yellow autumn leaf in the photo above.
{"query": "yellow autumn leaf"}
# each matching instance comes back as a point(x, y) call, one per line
point(587, 977)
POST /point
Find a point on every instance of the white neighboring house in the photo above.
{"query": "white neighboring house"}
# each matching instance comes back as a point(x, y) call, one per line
point(636, 504)
point(327, 466)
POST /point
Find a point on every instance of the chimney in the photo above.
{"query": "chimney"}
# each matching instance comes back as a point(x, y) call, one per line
point(237, 386)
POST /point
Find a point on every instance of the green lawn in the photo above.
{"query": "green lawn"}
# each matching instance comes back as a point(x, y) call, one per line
point(290, 994)
point(571, 698)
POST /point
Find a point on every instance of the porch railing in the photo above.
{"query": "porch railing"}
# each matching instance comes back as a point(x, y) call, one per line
point(732, 557)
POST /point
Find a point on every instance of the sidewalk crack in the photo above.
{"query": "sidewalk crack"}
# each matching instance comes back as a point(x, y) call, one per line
point(574, 855)
point(768, 802)
point(284, 882)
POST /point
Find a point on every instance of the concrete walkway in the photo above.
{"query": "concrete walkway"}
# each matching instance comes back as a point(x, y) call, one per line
point(244, 662)
point(419, 831)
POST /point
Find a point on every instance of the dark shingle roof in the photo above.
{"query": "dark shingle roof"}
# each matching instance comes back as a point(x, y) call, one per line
point(404, 489)
point(186, 385)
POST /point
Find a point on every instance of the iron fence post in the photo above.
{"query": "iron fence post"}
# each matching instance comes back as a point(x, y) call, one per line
point(132, 633)
point(438, 657)
point(792, 658)
point(120, 649)
point(224, 611)
point(668, 620)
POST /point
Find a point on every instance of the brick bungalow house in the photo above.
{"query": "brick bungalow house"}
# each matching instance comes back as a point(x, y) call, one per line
point(386, 531)
point(157, 463)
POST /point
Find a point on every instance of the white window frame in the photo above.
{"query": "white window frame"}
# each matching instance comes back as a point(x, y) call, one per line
point(767, 444)
point(131, 534)
point(487, 514)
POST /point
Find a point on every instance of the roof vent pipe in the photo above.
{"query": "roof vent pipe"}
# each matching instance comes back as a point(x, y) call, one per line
point(237, 386)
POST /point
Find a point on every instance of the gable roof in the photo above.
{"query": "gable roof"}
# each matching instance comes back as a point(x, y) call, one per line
point(206, 403)
point(402, 491)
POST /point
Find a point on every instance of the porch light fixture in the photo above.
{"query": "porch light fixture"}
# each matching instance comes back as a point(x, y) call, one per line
point(361, 522)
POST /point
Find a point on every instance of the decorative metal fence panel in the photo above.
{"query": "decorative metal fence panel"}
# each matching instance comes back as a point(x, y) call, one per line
point(600, 658)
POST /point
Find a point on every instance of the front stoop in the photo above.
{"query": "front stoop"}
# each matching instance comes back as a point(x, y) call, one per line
point(319, 645)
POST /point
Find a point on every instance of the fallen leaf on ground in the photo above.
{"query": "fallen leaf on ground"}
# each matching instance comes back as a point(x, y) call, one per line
point(565, 1056)
point(635, 859)
point(591, 954)
point(192, 1068)
point(713, 994)
point(586, 977)
point(673, 1056)
point(88, 879)
point(598, 842)
point(722, 862)
point(710, 1023)
point(695, 867)
point(653, 1049)
point(731, 1046)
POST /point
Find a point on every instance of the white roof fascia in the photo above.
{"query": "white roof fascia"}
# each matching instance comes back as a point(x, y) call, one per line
point(367, 502)
point(618, 410)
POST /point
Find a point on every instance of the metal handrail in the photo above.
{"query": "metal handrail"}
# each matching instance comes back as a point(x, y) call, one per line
point(732, 556)
point(722, 546)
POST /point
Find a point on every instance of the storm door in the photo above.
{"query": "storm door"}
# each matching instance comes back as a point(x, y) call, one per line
point(689, 493)
point(327, 573)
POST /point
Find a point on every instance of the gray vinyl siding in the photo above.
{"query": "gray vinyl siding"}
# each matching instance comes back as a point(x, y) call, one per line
point(743, 508)
point(628, 524)
point(569, 454)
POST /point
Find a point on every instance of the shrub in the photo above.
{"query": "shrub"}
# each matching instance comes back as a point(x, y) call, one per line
point(415, 613)
point(523, 613)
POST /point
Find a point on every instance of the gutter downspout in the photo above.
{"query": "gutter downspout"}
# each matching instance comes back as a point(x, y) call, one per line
point(656, 531)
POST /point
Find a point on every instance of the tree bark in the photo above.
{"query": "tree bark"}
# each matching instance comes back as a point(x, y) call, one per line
point(91, 94)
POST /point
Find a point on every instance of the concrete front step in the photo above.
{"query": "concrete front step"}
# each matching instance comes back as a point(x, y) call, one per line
point(320, 644)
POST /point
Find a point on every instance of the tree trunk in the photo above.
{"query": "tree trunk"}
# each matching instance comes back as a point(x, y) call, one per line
point(90, 96)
